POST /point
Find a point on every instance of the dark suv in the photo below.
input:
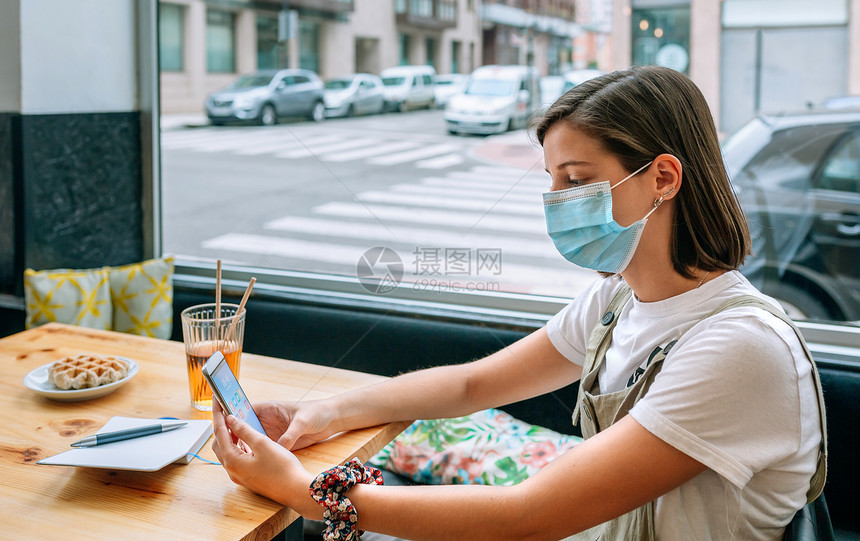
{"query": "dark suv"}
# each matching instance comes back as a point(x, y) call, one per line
point(798, 179)
point(268, 95)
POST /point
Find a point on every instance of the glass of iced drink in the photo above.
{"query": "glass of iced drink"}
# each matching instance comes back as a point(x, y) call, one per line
point(205, 332)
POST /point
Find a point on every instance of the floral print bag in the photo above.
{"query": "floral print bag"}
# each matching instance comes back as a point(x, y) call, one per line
point(489, 447)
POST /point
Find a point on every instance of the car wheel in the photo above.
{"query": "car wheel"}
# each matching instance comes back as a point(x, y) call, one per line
point(318, 112)
point(402, 107)
point(799, 303)
point(510, 126)
point(350, 111)
point(217, 123)
point(268, 116)
point(452, 132)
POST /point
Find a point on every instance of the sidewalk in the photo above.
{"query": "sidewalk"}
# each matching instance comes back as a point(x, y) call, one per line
point(184, 120)
point(513, 148)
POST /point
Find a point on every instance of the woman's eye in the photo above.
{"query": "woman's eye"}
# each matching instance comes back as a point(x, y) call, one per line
point(575, 182)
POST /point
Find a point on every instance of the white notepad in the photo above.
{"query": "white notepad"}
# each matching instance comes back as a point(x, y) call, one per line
point(147, 453)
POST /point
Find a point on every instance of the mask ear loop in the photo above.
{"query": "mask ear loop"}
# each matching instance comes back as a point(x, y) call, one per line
point(631, 175)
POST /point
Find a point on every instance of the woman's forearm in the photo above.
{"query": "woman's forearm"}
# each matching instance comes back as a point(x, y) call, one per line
point(427, 394)
point(470, 512)
point(529, 367)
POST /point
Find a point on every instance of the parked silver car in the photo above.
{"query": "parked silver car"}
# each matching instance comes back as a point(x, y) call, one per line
point(359, 94)
point(797, 176)
point(268, 95)
point(577, 77)
point(447, 85)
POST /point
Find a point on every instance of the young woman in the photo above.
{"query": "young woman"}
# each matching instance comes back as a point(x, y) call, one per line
point(698, 399)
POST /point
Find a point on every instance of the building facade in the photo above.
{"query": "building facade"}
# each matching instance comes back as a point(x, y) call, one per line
point(747, 56)
point(205, 44)
point(538, 33)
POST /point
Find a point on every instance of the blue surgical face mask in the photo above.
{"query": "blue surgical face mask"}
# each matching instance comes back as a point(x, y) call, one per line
point(580, 223)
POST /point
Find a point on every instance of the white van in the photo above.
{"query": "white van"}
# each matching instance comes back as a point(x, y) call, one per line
point(496, 99)
point(408, 87)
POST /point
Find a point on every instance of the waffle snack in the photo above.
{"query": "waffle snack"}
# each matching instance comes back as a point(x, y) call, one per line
point(85, 371)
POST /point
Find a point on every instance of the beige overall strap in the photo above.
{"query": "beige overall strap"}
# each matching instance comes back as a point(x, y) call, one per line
point(820, 476)
point(598, 343)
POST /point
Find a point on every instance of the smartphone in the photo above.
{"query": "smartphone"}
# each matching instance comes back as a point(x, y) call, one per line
point(228, 392)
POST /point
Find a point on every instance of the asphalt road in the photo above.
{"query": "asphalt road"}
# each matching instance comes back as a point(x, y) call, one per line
point(462, 213)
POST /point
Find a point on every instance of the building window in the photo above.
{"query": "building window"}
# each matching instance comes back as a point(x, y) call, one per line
point(431, 52)
point(404, 49)
point(171, 21)
point(220, 41)
point(446, 10)
point(662, 36)
point(267, 43)
point(455, 56)
point(309, 45)
point(423, 8)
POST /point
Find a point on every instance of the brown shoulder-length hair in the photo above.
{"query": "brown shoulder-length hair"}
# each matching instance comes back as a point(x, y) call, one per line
point(645, 111)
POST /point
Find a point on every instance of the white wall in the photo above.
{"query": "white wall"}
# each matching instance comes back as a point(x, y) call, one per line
point(77, 56)
point(10, 58)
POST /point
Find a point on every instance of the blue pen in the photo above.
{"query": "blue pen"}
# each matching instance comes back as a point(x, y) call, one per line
point(128, 433)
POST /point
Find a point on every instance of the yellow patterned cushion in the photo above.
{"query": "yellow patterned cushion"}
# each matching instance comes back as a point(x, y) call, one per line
point(142, 298)
point(77, 297)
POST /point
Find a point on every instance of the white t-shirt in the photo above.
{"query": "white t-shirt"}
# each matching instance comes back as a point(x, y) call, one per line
point(735, 393)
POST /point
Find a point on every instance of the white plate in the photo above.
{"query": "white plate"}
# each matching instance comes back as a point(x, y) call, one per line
point(37, 380)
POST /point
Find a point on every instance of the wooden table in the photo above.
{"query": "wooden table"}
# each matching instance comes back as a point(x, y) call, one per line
point(194, 501)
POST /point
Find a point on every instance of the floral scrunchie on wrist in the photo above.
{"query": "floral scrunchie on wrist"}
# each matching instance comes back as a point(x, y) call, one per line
point(329, 490)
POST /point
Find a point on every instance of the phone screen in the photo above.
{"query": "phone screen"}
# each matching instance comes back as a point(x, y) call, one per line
point(226, 386)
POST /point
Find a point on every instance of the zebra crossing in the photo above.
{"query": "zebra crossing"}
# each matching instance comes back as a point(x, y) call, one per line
point(336, 147)
point(484, 208)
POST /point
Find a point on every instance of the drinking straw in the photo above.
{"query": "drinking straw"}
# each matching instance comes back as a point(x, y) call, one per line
point(218, 306)
point(241, 307)
point(218, 291)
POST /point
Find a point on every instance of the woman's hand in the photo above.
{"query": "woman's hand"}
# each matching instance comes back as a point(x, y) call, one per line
point(296, 425)
point(259, 464)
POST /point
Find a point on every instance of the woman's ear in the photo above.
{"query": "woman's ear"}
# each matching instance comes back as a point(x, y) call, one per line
point(669, 175)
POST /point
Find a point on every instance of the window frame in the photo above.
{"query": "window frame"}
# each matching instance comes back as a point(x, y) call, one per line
point(498, 309)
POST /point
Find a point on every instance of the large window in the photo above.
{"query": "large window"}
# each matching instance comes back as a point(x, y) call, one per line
point(170, 28)
point(220, 41)
point(375, 199)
